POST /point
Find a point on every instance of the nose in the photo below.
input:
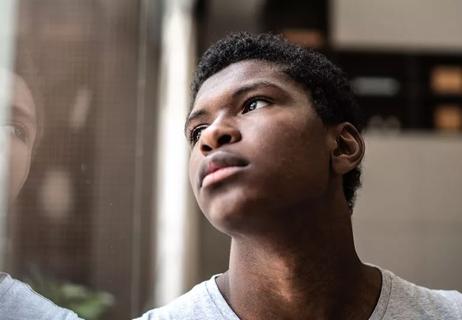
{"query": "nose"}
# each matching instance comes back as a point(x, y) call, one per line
point(219, 133)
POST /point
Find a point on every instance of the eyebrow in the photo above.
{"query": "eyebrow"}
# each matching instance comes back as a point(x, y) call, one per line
point(194, 115)
point(235, 95)
point(23, 112)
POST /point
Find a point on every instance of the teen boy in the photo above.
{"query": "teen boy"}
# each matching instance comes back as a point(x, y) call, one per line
point(275, 154)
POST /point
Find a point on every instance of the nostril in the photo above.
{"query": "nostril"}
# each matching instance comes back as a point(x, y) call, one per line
point(209, 142)
point(224, 139)
point(206, 148)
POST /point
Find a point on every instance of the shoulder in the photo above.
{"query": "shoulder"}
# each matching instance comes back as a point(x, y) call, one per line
point(19, 301)
point(191, 305)
point(203, 302)
point(410, 300)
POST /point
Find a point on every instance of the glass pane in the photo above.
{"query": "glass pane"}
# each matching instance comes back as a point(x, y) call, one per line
point(78, 225)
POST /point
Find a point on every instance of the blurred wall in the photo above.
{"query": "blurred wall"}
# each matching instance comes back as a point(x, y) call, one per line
point(408, 216)
point(411, 24)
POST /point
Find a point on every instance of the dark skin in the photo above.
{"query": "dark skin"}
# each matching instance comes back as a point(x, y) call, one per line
point(275, 186)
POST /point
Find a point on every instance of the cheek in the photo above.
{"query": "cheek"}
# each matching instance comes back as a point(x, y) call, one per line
point(193, 170)
point(19, 164)
point(285, 139)
point(295, 157)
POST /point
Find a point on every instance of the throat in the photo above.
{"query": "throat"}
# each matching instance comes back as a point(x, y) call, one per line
point(299, 280)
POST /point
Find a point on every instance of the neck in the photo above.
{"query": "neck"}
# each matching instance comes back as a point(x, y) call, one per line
point(300, 270)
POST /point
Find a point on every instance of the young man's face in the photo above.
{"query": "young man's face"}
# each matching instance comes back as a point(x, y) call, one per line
point(18, 135)
point(261, 148)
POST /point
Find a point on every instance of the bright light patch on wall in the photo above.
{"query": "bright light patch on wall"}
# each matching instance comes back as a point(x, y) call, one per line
point(80, 109)
point(172, 200)
point(57, 194)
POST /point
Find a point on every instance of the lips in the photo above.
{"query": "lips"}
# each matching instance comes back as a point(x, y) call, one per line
point(218, 166)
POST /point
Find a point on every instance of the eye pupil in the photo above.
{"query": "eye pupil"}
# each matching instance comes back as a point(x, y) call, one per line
point(19, 132)
point(197, 135)
point(254, 104)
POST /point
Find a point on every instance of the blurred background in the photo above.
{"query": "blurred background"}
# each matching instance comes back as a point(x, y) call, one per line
point(105, 223)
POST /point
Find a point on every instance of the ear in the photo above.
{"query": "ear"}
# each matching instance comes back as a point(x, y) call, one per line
point(347, 147)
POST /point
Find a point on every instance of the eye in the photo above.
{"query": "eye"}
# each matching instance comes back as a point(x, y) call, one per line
point(254, 103)
point(17, 131)
point(195, 134)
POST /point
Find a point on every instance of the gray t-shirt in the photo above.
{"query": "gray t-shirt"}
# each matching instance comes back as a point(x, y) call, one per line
point(19, 302)
point(399, 300)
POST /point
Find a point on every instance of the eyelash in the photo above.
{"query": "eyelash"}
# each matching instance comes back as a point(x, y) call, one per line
point(195, 133)
point(252, 100)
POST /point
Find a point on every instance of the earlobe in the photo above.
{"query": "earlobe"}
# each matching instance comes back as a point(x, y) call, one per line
point(348, 149)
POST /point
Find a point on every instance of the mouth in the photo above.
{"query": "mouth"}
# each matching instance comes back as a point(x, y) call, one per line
point(218, 167)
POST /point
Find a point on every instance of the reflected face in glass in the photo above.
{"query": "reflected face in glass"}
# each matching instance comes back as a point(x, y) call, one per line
point(18, 135)
point(258, 146)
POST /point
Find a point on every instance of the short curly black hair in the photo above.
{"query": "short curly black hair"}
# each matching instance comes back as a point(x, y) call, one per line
point(326, 84)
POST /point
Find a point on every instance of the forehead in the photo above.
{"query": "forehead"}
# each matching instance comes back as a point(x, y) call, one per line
point(19, 95)
point(22, 97)
point(242, 74)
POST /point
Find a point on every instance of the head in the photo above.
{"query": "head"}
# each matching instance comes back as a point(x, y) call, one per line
point(261, 103)
point(18, 133)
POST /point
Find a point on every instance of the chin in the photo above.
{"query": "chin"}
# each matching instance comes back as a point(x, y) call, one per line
point(226, 217)
point(235, 214)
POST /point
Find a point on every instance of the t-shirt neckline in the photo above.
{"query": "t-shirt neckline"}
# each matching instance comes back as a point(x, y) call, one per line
point(224, 308)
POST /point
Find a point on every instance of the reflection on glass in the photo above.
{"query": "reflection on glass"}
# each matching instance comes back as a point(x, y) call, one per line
point(18, 134)
point(77, 143)
point(17, 140)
